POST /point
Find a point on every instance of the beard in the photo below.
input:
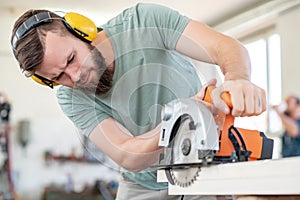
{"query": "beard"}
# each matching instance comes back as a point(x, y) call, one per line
point(104, 76)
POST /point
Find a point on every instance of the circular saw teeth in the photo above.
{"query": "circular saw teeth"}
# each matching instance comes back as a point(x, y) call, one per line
point(184, 183)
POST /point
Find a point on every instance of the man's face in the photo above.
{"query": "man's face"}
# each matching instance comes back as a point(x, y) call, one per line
point(74, 63)
point(291, 103)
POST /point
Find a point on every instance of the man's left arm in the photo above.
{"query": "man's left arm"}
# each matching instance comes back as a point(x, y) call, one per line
point(202, 43)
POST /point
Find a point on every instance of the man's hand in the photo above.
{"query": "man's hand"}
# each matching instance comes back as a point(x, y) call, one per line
point(200, 95)
point(247, 98)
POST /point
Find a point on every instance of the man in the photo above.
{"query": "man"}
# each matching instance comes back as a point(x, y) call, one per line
point(114, 88)
point(289, 113)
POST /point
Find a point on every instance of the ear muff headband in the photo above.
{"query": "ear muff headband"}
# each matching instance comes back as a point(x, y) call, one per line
point(31, 22)
point(79, 25)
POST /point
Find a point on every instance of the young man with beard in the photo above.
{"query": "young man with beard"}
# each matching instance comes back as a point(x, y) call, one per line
point(114, 88)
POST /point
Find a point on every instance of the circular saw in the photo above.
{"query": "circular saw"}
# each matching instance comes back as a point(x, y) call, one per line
point(192, 139)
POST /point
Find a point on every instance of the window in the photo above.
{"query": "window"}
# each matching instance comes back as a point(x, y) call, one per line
point(264, 51)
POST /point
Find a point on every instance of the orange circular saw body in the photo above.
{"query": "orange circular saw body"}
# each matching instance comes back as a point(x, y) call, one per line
point(233, 140)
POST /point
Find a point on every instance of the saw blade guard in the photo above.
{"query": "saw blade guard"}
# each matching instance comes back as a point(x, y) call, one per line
point(203, 123)
point(189, 135)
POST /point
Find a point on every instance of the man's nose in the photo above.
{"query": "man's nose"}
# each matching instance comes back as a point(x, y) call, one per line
point(73, 73)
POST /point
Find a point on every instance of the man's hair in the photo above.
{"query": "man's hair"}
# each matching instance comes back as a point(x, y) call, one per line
point(297, 100)
point(29, 49)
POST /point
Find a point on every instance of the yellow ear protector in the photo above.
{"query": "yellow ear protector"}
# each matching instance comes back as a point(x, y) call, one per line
point(79, 25)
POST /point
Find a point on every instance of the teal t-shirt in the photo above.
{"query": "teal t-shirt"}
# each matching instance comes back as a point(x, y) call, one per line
point(148, 74)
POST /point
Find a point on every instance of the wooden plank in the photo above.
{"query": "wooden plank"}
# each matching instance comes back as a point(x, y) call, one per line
point(264, 177)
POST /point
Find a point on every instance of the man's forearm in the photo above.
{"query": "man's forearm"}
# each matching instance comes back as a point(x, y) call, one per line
point(131, 153)
point(233, 59)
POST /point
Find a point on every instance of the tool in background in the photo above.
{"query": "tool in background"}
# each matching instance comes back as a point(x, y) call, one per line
point(192, 140)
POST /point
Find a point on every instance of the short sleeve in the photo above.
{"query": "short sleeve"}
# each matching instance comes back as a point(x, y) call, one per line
point(151, 24)
point(169, 22)
point(83, 110)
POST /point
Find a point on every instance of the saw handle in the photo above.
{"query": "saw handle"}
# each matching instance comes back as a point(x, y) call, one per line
point(228, 119)
point(225, 96)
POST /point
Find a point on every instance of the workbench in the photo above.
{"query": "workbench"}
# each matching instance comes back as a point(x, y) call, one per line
point(263, 177)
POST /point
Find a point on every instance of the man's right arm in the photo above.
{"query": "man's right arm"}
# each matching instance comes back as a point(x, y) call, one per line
point(131, 153)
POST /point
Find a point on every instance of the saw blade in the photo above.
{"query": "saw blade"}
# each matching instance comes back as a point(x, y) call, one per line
point(184, 151)
point(184, 177)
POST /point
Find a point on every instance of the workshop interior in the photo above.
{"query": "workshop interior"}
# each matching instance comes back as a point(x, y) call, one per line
point(44, 157)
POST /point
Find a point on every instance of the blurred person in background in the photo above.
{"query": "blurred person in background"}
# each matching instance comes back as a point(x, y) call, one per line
point(289, 113)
